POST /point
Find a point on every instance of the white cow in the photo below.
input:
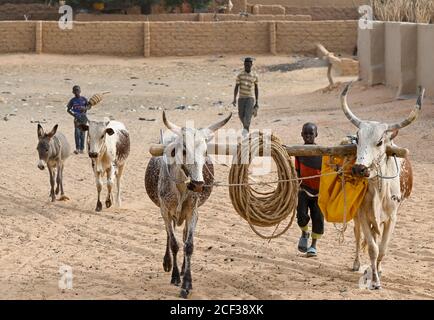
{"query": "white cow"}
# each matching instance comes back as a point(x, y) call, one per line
point(108, 145)
point(390, 182)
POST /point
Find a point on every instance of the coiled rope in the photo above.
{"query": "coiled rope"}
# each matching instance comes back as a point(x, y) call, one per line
point(265, 209)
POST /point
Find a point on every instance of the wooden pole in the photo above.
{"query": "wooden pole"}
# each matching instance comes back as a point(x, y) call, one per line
point(293, 150)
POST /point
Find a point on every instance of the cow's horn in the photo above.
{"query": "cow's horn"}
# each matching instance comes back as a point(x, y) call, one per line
point(346, 109)
point(413, 115)
point(171, 126)
point(214, 127)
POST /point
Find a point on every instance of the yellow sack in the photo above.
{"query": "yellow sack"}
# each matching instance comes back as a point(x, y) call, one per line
point(331, 197)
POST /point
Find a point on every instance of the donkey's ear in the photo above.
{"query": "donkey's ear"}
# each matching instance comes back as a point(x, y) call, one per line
point(40, 131)
point(53, 131)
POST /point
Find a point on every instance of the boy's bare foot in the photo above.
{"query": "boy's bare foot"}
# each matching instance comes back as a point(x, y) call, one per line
point(75, 151)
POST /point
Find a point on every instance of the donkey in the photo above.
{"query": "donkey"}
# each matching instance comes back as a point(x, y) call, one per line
point(53, 149)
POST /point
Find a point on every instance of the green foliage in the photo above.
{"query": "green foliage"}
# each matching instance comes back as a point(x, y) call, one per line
point(195, 4)
point(86, 3)
point(89, 3)
point(199, 4)
point(173, 3)
point(144, 2)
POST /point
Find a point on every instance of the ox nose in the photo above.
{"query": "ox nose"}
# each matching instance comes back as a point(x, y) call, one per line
point(360, 170)
point(195, 186)
point(93, 154)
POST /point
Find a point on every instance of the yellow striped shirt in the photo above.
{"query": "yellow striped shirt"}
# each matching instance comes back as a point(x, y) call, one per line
point(246, 82)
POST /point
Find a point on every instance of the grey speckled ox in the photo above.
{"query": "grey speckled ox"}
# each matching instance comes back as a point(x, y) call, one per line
point(179, 182)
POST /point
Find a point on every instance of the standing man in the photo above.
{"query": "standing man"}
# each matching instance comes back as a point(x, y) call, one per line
point(247, 103)
point(77, 107)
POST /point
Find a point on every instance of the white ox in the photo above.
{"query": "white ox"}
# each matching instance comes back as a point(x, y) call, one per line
point(108, 145)
point(390, 182)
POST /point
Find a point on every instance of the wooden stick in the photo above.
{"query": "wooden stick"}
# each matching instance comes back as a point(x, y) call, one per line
point(293, 150)
point(327, 55)
point(342, 150)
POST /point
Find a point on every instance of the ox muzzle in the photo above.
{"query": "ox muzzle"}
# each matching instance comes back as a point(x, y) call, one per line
point(360, 170)
point(195, 186)
point(93, 155)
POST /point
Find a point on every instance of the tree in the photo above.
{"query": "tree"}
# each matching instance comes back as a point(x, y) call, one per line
point(173, 3)
point(195, 4)
point(86, 3)
point(145, 5)
point(198, 4)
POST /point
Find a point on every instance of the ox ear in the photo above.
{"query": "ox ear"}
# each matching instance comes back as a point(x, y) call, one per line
point(40, 131)
point(53, 131)
point(110, 131)
point(83, 127)
point(392, 134)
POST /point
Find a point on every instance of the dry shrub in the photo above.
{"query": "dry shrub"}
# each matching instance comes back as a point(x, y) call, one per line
point(420, 11)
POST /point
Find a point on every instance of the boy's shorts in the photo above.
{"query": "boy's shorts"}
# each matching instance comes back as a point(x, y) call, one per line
point(80, 119)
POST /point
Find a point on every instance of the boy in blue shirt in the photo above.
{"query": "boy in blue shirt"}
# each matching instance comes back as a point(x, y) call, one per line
point(77, 107)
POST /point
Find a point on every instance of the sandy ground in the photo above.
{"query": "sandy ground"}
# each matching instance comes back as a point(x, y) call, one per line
point(117, 254)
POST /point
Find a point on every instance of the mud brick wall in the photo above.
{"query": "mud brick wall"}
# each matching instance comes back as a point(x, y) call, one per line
point(325, 13)
point(201, 38)
point(254, 17)
point(180, 38)
point(106, 38)
point(13, 11)
point(189, 17)
point(311, 3)
point(17, 36)
point(301, 36)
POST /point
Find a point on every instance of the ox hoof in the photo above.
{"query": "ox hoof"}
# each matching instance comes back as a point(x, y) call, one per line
point(108, 203)
point(184, 293)
point(356, 266)
point(167, 264)
point(375, 286)
point(176, 281)
point(98, 206)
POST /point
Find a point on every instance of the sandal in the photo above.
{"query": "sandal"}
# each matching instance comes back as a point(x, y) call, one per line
point(302, 243)
point(311, 252)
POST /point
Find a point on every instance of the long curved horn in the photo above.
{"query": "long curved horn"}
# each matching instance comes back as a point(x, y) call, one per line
point(412, 116)
point(171, 126)
point(214, 127)
point(346, 109)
